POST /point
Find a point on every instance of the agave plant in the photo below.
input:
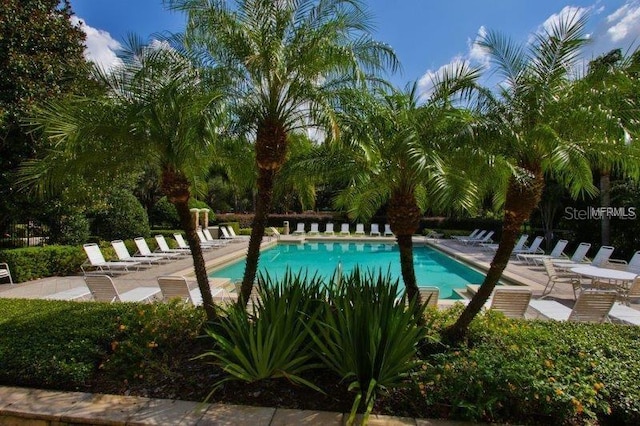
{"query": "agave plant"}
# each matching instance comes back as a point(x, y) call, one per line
point(367, 334)
point(272, 339)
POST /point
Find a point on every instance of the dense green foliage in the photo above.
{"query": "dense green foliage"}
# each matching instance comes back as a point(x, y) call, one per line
point(508, 370)
point(42, 59)
point(30, 263)
point(122, 217)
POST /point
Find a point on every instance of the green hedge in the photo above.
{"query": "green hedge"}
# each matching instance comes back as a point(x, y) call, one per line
point(31, 263)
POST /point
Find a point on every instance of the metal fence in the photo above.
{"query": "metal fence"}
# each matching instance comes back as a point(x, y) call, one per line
point(23, 234)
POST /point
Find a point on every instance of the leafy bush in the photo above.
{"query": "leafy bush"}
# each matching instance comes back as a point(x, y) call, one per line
point(367, 335)
point(29, 263)
point(53, 343)
point(534, 371)
point(124, 217)
point(148, 338)
point(70, 229)
point(164, 213)
point(273, 341)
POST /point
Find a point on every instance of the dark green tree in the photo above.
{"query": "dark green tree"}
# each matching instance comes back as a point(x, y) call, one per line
point(40, 59)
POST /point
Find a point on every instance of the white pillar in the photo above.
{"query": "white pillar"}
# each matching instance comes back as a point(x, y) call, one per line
point(205, 217)
point(196, 217)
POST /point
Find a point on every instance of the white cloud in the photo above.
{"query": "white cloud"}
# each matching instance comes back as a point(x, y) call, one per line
point(428, 80)
point(476, 52)
point(100, 46)
point(624, 22)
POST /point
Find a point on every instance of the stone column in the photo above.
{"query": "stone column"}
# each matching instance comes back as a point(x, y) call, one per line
point(205, 217)
point(196, 217)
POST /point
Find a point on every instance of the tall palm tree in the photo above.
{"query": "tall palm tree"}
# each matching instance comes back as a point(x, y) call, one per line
point(525, 127)
point(287, 60)
point(158, 110)
point(396, 153)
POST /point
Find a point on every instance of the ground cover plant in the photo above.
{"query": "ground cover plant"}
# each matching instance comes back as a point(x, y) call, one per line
point(526, 372)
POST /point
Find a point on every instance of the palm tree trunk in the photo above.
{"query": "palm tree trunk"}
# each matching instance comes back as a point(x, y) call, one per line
point(271, 151)
point(176, 187)
point(519, 204)
point(404, 219)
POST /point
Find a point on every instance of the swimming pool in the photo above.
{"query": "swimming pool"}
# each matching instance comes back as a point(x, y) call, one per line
point(432, 267)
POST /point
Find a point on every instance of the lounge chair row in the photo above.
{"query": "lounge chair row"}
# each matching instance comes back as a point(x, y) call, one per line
point(102, 289)
point(344, 230)
point(590, 306)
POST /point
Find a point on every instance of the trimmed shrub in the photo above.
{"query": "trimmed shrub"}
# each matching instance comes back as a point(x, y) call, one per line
point(123, 218)
point(71, 229)
point(29, 263)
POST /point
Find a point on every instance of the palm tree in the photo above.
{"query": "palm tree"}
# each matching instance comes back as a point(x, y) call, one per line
point(396, 153)
point(286, 60)
point(159, 111)
point(526, 128)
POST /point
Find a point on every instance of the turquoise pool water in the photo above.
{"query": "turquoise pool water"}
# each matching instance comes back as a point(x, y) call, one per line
point(433, 268)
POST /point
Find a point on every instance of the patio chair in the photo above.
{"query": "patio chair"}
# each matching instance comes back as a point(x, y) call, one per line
point(226, 236)
point(387, 230)
point(103, 290)
point(534, 248)
point(485, 239)
point(5, 272)
point(625, 314)
point(233, 234)
point(536, 259)
point(556, 277)
point(123, 254)
point(375, 230)
point(178, 287)
point(591, 306)
point(512, 302)
point(520, 244)
point(299, 229)
point(479, 235)
point(163, 247)
point(429, 296)
point(470, 236)
point(96, 262)
point(70, 294)
point(314, 229)
point(205, 243)
point(344, 229)
point(360, 229)
point(632, 266)
point(329, 229)
point(144, 250)
point(601, 257)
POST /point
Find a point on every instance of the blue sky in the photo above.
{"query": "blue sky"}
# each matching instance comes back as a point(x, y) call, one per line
point(425, 34)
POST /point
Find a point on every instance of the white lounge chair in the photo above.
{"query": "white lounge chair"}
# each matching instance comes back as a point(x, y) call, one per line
point(314, 229)
point(556, 277)
point(360, 229)
point(632, 266)
point(299, 229)
point(590, 307)
point(178, 287)
point(472, 235)
point(375, 230)
point(601, 257)
point(206, 243)
point(387, 230)
point(103, 290)
point(329, 229)
point(96, 262)
point(520, 244)
point(71, 294)
point(536, 259)
point(479, 235)
point(226, 236)
point(144, 250)
point(344, 229)
point(485, 239)
point(123, 254)
point(163, 247)
point(233, 234)
point(534, 248)
point(512, 302)
point(625, 314)
point(5, 272)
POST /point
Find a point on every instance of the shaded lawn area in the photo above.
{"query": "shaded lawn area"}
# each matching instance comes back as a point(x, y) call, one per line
point(515, 371)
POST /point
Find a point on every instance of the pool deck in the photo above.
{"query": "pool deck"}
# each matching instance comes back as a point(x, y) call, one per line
point(23, 406)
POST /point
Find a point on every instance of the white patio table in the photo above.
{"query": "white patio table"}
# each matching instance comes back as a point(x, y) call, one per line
point(620, 279)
